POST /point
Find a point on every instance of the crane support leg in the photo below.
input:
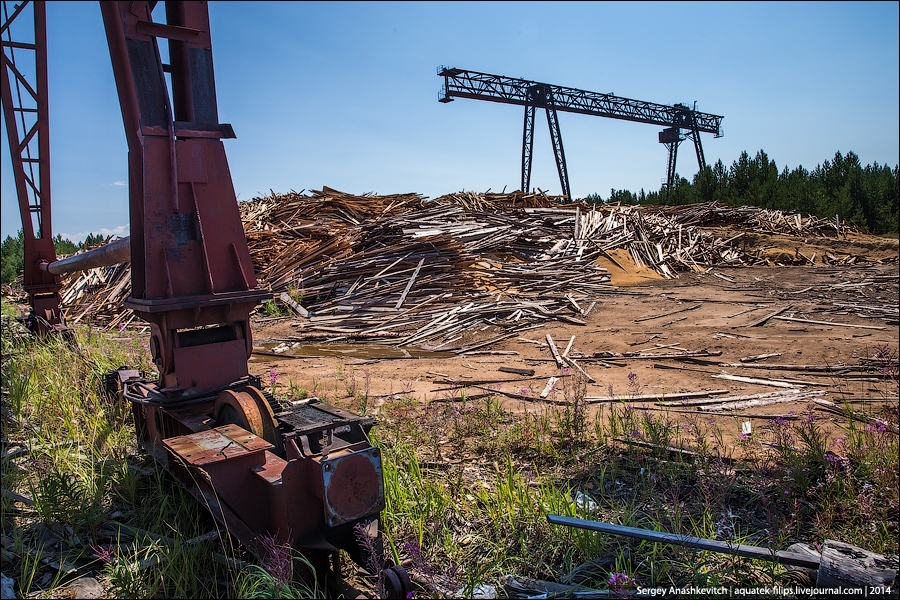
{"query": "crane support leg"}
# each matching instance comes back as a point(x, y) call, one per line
point(701, 160)
point(558, 152)
point(527, 148)
point(670, 170)
point(26, 113)
point(192, 279)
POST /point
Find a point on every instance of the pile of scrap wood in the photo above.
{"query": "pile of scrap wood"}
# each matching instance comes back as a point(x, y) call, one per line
point(97, 295)
point(759, 219)
point(405, 269)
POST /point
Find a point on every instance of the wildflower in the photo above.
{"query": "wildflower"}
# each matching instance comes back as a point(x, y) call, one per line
point(121, 326)
point(631, 378)
point(833, 459)
point(744, 437)
point(636, 433)
point(880, 425)
point(277, 559)
point(525, 391)
point(629, 407)
point(273, 377)
point(102, 554)
point(618, 580)
point(780, 421)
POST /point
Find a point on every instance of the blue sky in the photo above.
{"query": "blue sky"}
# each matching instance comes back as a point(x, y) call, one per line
point(346, 94)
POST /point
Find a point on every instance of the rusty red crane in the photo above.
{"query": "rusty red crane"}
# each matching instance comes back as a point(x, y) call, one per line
point(303, 473)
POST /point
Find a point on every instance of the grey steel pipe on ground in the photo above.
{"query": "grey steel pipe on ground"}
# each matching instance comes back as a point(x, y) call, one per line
point(779, 556)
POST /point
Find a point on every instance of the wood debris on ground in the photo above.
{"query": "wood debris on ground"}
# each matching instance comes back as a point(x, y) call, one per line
point(451, 272)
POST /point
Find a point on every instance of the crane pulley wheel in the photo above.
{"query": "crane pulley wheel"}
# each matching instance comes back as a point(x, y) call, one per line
point(247, 408)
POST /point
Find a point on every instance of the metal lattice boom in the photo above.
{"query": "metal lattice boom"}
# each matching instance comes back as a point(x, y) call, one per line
point(461, 83)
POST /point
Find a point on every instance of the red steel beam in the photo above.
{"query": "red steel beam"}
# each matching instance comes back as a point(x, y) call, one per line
point(25, 97)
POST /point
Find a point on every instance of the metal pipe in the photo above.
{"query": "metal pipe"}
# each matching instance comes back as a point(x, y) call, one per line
point(112, 253)
point(783, 557)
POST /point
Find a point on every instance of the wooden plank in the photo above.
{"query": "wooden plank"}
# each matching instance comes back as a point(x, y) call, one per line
point(516, 395)
point(660, 396)
point(551, 383)
point(409, 284)
point(755, 380)
point(757, 357)
point(578, 368)
point(811, 322)
point(763, 320)
point(700, 401)
point(515, 371)
point(758, 402)
point(486, 343)
point(565, 353)
point(666, 314)
point(298, 308)
point(555, 352)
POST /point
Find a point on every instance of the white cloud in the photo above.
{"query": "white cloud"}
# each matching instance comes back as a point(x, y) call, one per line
point(120, 231)
point(119, 183)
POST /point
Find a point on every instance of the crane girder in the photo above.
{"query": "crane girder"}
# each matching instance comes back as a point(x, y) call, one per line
point(461, 83)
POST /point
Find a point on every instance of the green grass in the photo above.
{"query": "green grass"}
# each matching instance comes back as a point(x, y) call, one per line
point(94, 499)
point(468, 485)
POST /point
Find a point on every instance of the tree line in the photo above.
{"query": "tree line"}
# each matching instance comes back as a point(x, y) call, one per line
point(12, 252)
point(866, 196)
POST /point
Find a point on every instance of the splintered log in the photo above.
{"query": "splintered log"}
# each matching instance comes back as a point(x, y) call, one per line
point(846, 566)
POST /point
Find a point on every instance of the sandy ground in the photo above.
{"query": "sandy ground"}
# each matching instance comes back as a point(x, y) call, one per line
point(724, 301)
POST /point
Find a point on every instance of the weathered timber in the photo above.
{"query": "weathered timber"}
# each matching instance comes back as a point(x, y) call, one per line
point(831, 323)
point(844, 566)
point(660, 396)
point(763, 320)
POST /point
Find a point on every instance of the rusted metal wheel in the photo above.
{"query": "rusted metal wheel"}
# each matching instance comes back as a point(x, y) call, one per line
point(396, 582)
point(247, 408)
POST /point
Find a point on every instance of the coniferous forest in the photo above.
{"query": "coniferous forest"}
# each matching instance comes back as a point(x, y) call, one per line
point(866, 196)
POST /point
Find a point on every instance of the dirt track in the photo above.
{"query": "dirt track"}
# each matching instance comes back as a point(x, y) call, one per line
point(725, 301)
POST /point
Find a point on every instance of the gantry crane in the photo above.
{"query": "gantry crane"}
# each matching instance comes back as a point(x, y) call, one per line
point(461, 83)
point(303, 473)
